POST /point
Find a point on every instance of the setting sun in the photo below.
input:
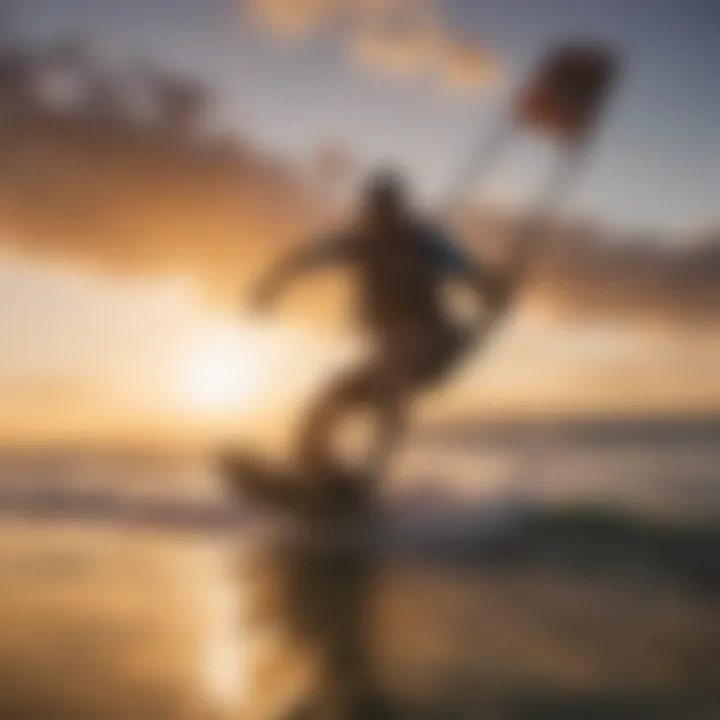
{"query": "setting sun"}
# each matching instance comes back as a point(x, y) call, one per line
point(227, 369)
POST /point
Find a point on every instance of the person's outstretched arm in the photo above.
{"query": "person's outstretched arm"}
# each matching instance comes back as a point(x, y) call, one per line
point(335, 249)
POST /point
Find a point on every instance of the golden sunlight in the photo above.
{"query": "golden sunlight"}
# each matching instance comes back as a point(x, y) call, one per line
point(235, 369)
point(228, 368)
point(222, 661)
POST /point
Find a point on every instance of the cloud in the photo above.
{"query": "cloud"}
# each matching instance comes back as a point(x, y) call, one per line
point(638, 281)
point(292, 18)
point(466, 66)
point(400, 38)
point(105, 186)
point(652, 280)
point(400, 53)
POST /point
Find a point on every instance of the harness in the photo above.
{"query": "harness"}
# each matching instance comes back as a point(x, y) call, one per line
point(399, 281)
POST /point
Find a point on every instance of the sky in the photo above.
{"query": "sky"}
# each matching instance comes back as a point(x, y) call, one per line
point(294, 96)
point(88, 342)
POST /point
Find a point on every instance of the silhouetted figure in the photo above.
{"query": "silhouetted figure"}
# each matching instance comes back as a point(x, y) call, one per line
point(400, 264)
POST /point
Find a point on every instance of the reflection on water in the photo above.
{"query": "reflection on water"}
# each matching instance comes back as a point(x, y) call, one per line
point(309, 630)
point(97, 623)
point(221, 660)
point(107, 624)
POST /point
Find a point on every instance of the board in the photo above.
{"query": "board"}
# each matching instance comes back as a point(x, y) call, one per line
point(328, 494)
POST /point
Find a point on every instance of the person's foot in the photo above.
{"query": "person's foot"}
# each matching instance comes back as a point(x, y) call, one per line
point(327, 492)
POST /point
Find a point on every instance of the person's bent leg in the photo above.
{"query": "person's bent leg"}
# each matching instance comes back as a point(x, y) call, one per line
point(419, 364)
point(391, 407)
point(356, 388)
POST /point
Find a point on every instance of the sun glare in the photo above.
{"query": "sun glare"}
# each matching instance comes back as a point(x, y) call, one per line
point(227, 369)
point(232, 368)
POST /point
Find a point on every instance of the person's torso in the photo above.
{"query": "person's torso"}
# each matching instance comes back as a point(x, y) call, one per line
point(399, 280)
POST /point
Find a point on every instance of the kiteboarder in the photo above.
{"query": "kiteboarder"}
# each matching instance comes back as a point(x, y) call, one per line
point(400, 263)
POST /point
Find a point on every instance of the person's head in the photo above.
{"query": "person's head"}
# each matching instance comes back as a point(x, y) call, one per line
point(385, 197)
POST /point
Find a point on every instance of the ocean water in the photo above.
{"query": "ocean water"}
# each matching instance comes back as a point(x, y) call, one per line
point(132, 588)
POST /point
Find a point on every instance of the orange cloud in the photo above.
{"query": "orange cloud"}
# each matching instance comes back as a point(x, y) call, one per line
point(292, 18)
point(393, 52)
point(402, 38)
point(465, 66)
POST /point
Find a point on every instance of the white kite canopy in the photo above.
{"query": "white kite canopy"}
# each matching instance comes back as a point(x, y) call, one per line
point(565, 96)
